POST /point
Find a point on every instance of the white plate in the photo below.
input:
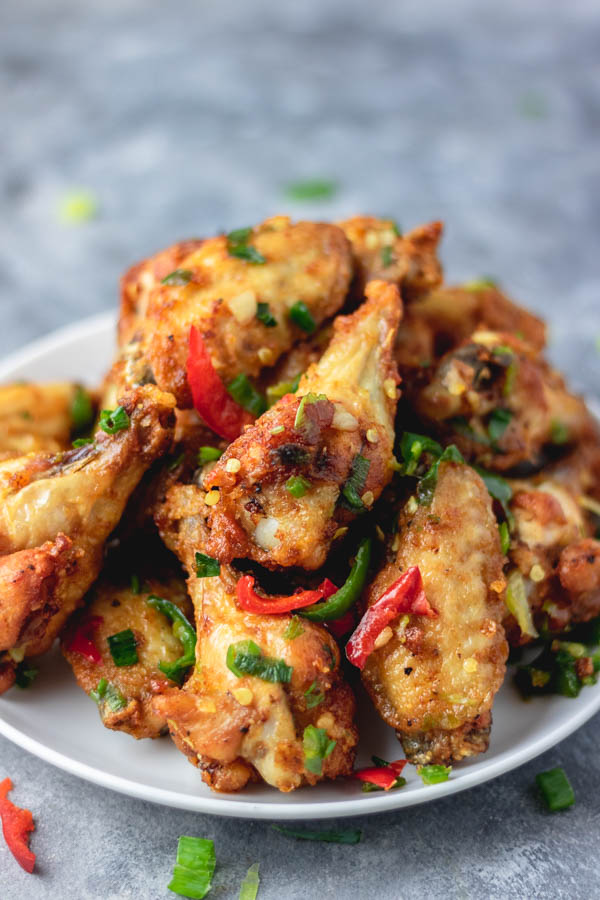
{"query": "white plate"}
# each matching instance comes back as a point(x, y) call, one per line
point(56, 721)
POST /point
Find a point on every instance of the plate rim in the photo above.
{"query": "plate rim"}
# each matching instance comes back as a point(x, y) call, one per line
point(264, 809)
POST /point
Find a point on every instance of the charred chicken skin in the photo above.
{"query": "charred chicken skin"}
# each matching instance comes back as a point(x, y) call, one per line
point(57, 512)
point(318, 458)
point(434, 679)
point(240, 729)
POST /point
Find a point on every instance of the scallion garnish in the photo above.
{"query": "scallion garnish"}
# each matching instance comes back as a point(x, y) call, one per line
point(480, 284)
point(238, 246)
point(317, 747)
point(297, 486)
point(504, 537)
point(434, 774)
point(194, 867)
point(249, 886)
point(113, 420)
point(559, 432)
point(206, 566)
point(294, 629)
point(313, 696)
point(25, 674)
point(82, 409)
point(174, 463)
point(307, 400)
point(135, 584)
point(497, 424)
point(276, 391)
point(109, 695)
point(499, 489)
point(183, 631)
point(208, 454)
point(355, 482)
point(428, 482)
point(387, 256)
point(178, 276)
point(311, 189)
point(264, 315)
point(301, 316)
point(555, 789)
point(243, 392)
point(246, 658)
point(123, 648)
point(412, 446)
point(82, 442)
point(338, 836)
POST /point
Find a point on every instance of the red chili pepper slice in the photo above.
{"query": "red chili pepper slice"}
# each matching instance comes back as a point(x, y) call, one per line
point(250, 601)
point(211, 399)
point(341, 627)
point(82, 639)
point(382, 777)
point(406, 595)
point(16, 825)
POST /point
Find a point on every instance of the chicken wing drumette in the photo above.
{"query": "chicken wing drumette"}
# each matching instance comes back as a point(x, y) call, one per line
point(57, 512)
point(435, 679)
point(317, 458)
point(116, 605)
point(500, 403)
point(238, 729)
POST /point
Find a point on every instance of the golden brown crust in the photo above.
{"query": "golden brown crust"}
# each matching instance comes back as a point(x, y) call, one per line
point(35, 418)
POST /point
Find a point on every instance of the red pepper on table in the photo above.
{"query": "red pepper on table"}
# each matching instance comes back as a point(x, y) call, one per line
point(82, 639)
point(382, 776)
point(211, 399)
point(406, 595)
point(250, 601)
point(16, 825)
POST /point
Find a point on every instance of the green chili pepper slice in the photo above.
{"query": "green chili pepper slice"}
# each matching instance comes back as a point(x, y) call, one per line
point(183, 631)
point(339, 603)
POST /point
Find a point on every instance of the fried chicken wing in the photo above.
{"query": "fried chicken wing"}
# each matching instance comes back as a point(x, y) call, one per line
point(435, 679)
point(501, 403)
point(36, 417)
point(134, 687)
point(57, 512)
point(245, 728)
point(219, 293)
point(382, 253)
point(317, 458)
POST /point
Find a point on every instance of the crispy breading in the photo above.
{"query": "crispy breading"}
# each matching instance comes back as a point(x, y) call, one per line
point(381, 252)
point(238, 729)
point(435, 679)
point(348, 413)
point(35, 417)
point(305, 262)
point(115, 603)
point(57, 511)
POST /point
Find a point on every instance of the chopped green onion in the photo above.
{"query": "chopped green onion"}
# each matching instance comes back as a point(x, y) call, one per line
point(297, 485)
point(311, 189)
point(244, 393)
point(82, 442)
point(434, 774)
point(504, 537)
point(135, 584)
point(309, 398)
point(206, 566)
point(294, 629)
point(317, 747)
point(276, 391)
point(387, 256)
point(109, 695)
point(498, 423)
point(313, 696)
point(355, 483)
point(338, 836)
point(412, 446)
point(277, 430)
point(428, 483)
point(183, 631)
point(239, 235)
point(246, 658)
point(555, 789)
point(237, 245)
point(194, 868)
point(175, 462)
point(123, 648)
point(480, 284)
point(559, 432)
point(509, 379)
point(516, 603)
point(25, 674)
point(264, 315)
point(499, 489)
point(82, 409)
point(301, 316)
point(113, 420)
point(249, 886)
point(178, 276)
point(78, 206)
point(208, 454)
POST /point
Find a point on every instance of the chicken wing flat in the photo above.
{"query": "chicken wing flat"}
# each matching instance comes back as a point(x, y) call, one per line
point(435, 679)
point(239, 291)
point(501, 403)
point(57, 512)
point(382, 253)
point(41, 417)
point(317, 458)
point(126, 704)
point(239, 728)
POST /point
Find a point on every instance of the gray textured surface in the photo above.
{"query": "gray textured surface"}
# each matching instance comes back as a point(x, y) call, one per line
point(185, 118)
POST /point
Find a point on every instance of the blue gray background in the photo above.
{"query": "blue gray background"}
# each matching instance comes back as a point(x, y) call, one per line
point(187, 118)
